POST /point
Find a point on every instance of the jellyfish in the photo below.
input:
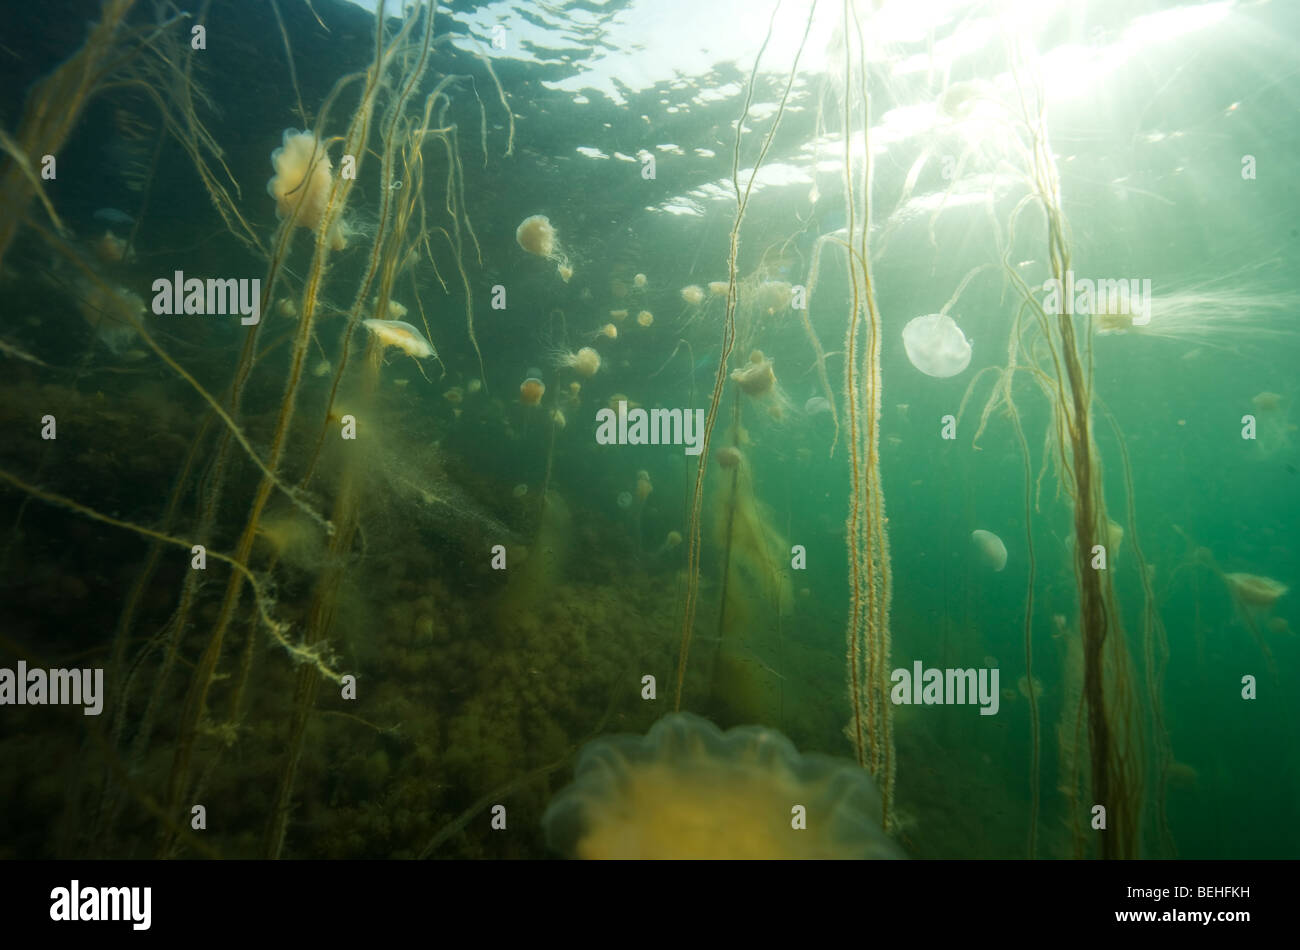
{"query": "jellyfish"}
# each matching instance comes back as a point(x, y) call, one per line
point(303, 179)
point(1206, 314)
point(936, 346)
point(624, 500)
point(729, 457)
point(401, 335)
point(1254, 590)
point(1254, 596)
point(537, 236)
point(107, 309)
point(673, 540)
point(992, 551)
point(619, 315)
point(531, 391)
point(639, 281)
point(758, 380)
point(645, 318)
point(585, 362)
point(110, 248)
point(643, 486)
point(718, 288)
point(520, 490)
point(688, 790)
point(773, 296)
point(1266, 402)
point(816, 406)
point(557, 417)
point(693, 295)
point(608, 331)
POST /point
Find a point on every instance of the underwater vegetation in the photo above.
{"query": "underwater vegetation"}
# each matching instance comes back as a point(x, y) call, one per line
point(364, 578)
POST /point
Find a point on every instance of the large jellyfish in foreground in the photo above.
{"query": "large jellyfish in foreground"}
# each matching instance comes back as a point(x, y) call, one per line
point(936, 346)
point(688, 790)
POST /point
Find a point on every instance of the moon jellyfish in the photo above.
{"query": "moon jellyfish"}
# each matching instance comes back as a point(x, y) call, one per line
point(536, 235)
point(816, 405)
point(625, 500)
point(992, 551)
point(936, 346)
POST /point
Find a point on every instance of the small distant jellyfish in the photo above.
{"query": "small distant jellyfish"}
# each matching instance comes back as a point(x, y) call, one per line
point(773, 296)
point(992, 551)
point(608, 331)
point(639, 281)
point(643, 486)
point(557, 416)
point(718, 288)
point(693, 295)
point(729, 456)
point(531, 391)
point(473, 386)
point(625, 500)
point(619, 315)
point(110, 248)
point(645, 318)
point(816, 405)
point(537, 236)
point(520, 490)
point(455, 395)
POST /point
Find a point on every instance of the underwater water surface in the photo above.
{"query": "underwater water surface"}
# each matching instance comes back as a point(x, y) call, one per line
point(649, 429)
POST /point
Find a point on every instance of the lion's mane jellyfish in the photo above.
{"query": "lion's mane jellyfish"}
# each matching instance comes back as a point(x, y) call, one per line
point(757, 379)
point(1252, 590)
point(403, 336)
point(536, 235)
point(688, 790)
point(531, 391)
point(585, 362)
point(936, 346)
point(303, 179)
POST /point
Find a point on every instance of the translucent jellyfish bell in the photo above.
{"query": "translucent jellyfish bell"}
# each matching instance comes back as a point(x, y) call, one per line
point(992, 551)
point(936, 346)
